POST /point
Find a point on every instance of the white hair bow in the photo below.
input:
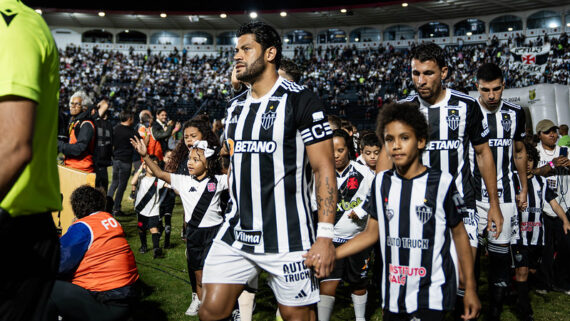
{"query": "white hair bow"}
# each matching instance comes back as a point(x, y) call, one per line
point(203, 145)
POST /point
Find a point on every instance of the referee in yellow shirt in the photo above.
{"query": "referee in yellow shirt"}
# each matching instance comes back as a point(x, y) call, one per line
point(29, 184)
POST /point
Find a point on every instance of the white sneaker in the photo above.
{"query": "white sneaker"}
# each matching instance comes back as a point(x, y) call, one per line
point(194, 305)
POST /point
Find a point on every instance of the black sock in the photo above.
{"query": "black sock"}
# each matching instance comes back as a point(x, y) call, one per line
point(167, 228)
point(142, 235)
point(523, 302)
point(155, 240)
point(499, 265)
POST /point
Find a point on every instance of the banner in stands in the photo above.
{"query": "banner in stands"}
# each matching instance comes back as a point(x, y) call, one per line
point(531, 55)
point(543, 101)
point(531, 59)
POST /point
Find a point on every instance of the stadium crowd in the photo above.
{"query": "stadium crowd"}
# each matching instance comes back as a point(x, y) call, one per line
point(411, 194)
point(343, 76)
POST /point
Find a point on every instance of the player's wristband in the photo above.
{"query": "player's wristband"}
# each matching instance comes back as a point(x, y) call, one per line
point(325, 230)
point(551, 164)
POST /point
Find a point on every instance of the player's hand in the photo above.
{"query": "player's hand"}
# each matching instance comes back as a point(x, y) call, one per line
point(321, 257)
point(472, 306)
point(495, 220)
point(177, 127)
point(139, 145)
point(170, 123)
point(522, 200)
point(566, 227)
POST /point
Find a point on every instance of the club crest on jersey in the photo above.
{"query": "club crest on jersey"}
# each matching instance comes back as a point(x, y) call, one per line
point(506, 122)
point(211, 187)
point(268, 118)
point(424, 213)
point(389, 213)
point(453, 119)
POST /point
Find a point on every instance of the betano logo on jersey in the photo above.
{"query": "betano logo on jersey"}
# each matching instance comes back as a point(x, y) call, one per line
point(251, 146)
point(500, 142)
point(443, 144)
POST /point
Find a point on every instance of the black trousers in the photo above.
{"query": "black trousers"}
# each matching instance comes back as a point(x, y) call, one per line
point(119, 181)
point(30, 259)
point(75, 303)
point(555, 270)
point(101, 177)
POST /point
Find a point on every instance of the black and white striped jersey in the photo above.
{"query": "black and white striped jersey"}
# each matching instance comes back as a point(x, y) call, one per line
point(150, 195)
point(415, 217)
point(531, 222)
point(506, 126)
point(454, 123)
point(353, 187)
point(200, 198)
point(270, 177)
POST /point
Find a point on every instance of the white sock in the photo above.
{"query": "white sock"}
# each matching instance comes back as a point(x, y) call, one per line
point(359, 302)
point(245, 301)
point(325, 307)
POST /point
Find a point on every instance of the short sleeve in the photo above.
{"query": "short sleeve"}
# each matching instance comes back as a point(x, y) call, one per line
point(370, 205)
point(177, 181)
point(478, 131)
point(21, 58)
point(520, 131)
point(310, 118)
point(549, 194)
point(222, 182)
point(454, 206)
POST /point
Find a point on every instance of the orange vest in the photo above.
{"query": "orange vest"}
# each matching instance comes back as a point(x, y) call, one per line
point(154, 147)
point(109, 262)
point(83, 162)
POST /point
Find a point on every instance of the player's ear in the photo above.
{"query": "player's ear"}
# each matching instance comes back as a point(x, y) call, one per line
point(444, 71)
point(421, 143)
point(270, 54)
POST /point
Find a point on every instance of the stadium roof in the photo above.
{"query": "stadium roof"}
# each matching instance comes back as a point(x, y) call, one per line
point(300, 14)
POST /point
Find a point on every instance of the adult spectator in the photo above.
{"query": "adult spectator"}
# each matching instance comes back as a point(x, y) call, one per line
point(122, 159)
point(555, 166)
point(29, 183)
point(103, 153)
point(78, 151)
point(564, 138)
point(162, 129)
point(143, 129)
point(97, 267)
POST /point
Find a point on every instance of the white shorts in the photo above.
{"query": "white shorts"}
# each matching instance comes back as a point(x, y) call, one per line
point(471, 223)
point(510, 222)
point(291, 281)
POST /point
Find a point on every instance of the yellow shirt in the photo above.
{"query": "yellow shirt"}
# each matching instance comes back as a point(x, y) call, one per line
point(29, 68)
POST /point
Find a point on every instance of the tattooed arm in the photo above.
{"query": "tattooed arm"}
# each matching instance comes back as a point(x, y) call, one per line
point(322, 253)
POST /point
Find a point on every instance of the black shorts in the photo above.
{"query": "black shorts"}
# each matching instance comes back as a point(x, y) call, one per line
point(198, 243)
point(352, 269)
point(30, 258)
point(527, 256)
point(148, 222)
point(167, 205)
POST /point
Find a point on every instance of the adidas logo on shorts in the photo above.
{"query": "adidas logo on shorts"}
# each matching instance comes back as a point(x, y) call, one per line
point(301, 295)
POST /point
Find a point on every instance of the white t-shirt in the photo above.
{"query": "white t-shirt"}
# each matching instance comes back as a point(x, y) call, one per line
point(200, 198)
point(559, 183)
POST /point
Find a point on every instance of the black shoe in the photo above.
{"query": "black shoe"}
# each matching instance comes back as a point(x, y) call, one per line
point(156, 253)
point(143, 250)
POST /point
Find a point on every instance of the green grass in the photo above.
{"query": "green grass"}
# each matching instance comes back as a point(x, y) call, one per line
point(167, 292)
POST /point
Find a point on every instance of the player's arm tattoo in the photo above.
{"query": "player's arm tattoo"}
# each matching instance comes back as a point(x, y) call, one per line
point(326, 199)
